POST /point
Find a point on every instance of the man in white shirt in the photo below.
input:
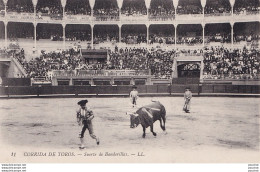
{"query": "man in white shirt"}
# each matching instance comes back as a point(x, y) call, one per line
point(134, 96)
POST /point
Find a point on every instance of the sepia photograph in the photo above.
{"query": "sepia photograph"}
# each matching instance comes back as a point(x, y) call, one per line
point(129, 81)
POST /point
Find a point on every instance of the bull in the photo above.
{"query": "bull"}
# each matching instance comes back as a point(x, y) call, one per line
point(147, 115)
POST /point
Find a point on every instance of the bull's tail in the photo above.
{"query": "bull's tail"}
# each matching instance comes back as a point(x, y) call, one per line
point(163, 117)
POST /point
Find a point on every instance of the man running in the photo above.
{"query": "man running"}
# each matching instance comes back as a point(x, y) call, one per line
point(134, 96)
point(84, 117)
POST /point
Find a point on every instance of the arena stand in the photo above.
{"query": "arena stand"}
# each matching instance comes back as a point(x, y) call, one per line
point(156, 36)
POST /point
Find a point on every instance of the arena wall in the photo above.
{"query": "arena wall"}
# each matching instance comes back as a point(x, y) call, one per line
point(198, 89)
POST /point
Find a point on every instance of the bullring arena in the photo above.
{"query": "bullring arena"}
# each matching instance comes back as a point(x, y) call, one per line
point(54, 53)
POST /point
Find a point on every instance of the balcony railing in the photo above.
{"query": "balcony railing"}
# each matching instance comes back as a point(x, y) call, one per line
point(20, 16)
point(82, 73)
point(106, 18)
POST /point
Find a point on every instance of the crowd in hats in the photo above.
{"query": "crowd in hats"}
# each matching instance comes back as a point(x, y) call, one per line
point(221, 63)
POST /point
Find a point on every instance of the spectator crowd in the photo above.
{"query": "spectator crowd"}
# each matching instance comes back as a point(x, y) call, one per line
point(133, 8)
point(221, 63)
point(78, 7)
point(246, 6)
point(217, 7)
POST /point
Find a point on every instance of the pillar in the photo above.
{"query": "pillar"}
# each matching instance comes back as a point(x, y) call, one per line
point(175, 35)
point(232, 34)
point(64, 35)
point(201, 69)
point(147, 5)
point(34, 7)
point(175, 4)
point(174, 68)
point(232, 3)
point(63, 12)
point(120, 4)
point(119, 32)
point(34, 11)
point(147, 36)
point(35, 33)
point(203, 33)
point(63, 3)
point(5, 23)
point(92, 37)
point(203, 4)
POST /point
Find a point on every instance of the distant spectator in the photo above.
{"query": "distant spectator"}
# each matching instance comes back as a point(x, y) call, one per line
point(221, 63)
point(161, 9)
point(77, 7)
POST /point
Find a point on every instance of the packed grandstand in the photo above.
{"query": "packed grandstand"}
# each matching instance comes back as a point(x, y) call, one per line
point(155, 35)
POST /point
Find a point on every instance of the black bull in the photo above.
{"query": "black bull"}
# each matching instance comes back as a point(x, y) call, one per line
point(147, 115)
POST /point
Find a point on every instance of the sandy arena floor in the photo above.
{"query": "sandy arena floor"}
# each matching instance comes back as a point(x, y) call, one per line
point(224, 124)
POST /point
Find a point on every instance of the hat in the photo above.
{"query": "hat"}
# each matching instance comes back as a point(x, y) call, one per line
point(134, 86)
point(82, 102)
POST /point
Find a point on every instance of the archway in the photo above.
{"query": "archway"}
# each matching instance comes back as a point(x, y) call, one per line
point(188, 69)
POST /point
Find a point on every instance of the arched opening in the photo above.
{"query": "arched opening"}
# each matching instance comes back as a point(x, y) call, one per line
point(21, 6)
point(217, 7)
point(189, 34)
point(134, 34)
point(189, 7)
point(220, 32)
point(106, 10)
point(246, 6)
point(161, 10)
point(78, 32)
point(2, 5)
point(249, 31)
point(162, 34)
point(54, 32)
point(188, 70)
point(133, 8)
point(78, 7)
point(16, 30)
point(2, 30)
point(49, 8)
point(106, 34)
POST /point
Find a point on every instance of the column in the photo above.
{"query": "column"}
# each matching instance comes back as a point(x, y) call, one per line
point(119, 32)
point(175, 35)
point(92, 37)
point(174, 68)
point(5, 8)
point(232, 3)
point(147, 36)
point(92, 13)
point(201, 69)
point(64, 35)
point(92, 4)
point(35, 33)
point(147, 14)
point(63, 4)
point(63, 14)
point(5, 23)
point(232, 33)
point(34, 10)
point(34, 7)
point(203, 34)
point(203, 4)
